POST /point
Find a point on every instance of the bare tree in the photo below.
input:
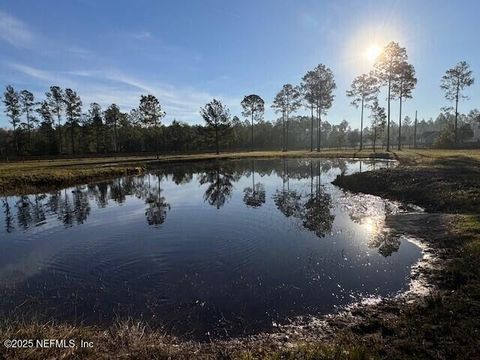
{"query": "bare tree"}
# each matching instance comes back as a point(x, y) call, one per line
point(217, 116)
point(387, 68)
point(253, 106)
point(363, 90)
point(453, 83)
point(286, 101)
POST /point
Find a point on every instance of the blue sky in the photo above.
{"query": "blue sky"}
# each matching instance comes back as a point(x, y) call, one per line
point(187, 52)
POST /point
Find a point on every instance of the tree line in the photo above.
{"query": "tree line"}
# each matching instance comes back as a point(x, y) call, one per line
point(58, 124)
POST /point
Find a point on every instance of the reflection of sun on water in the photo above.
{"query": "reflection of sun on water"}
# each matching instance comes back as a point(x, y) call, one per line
point(369, 224)
point(372, 225)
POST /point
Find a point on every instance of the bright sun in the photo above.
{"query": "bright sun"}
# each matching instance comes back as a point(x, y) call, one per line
point(372, 52)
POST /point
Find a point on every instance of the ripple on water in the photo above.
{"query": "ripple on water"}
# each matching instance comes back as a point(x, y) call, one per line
point(199, 258)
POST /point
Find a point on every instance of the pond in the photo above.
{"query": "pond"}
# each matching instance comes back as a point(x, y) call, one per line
point(202, 250)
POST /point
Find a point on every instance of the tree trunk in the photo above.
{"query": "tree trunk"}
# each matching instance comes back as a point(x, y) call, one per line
point(319, 123)
point(415, 132)
point(72, 137)
point(252, 132)
point(286, 135)
point(29, 133)
point(98, 139)
point(311, 130)
point(15, 140)
point(216, 138)
point(388, 116)
point(283, 131)
point(156, 140)
point(400, 124)
point(59, 133)
point(115, 136)
point(361, 125)
point(456, 116)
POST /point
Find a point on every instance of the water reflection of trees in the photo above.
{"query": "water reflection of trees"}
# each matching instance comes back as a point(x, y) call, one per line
point(385, 243)
point(157, 209)
point(286, 200)
point(219, 181)
point(9, 220)
point(316, 212)
point(313, 208)
point(254, 196)
point(73, 206)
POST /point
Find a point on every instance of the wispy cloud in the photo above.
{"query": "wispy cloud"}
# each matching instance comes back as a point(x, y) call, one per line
point(140, 35)
point(44, 76)
point(20, 35)
point(31, 71)
point(14, 31)
point(103, 83)
point(79, 51)
point(109, 86)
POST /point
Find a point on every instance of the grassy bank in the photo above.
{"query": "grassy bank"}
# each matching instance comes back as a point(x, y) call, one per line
point(42, 175)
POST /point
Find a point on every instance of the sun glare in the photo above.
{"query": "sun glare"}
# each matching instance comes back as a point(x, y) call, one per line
point(372, 52)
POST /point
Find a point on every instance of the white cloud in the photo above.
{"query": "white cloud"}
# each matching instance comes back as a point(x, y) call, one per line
point(31, 71)
point(140, 35)
point(108, 86)
point(14, 31)
point(80, 52)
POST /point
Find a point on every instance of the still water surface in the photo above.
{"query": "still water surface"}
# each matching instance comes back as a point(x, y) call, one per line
point(206, 249)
